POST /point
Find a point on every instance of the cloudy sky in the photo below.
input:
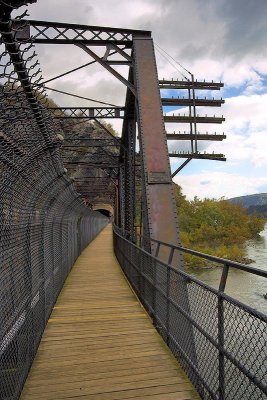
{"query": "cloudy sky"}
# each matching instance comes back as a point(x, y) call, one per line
point(214, 39)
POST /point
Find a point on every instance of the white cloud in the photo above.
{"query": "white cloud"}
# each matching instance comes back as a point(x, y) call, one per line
point(219, 184)
point(246, 129)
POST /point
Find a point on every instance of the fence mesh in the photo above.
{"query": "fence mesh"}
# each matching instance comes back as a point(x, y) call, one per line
point(220, 342)
point(44, 224)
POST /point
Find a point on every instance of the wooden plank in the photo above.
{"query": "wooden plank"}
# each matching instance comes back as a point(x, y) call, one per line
point(99, 342)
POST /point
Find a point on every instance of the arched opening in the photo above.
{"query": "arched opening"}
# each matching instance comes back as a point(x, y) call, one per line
point(105, 209)
point(104, 212)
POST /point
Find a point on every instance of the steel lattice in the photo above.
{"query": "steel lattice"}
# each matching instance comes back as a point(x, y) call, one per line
point(44, 223)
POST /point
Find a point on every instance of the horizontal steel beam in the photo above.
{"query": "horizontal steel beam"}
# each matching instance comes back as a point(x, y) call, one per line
point(75, 146)
point(89, 165)
point(218, 157)
point(95, 184)
point(64, 33)
point(188, 119)
point(92, 139)
point(183, 84)
point(199, 136)
point(95, 189)
point(87, 112)
point(190, 102)
point(92, 177)
point(81, 158)
point(96, 195)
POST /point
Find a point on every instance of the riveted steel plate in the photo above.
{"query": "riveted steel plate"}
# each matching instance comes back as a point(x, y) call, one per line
point(158, 177)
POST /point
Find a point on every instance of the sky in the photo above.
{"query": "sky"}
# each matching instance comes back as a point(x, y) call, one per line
point(213, 39)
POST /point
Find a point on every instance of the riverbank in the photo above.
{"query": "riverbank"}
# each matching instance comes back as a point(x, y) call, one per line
point(200, 263)
point(247, 288)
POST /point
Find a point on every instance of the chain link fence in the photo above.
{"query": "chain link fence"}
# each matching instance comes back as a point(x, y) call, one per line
point(44, 224)
point(220, 342)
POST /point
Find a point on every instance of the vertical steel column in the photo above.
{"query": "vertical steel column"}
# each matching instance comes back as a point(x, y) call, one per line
point(127, 159)
point(130, 178)
point(161, 209)
point(122, 197)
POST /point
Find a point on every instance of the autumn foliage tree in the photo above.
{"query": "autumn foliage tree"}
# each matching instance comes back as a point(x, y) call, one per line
point(216, 227)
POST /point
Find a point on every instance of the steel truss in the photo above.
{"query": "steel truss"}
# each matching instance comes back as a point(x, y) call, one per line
point(143, 108)
point(158, 206)
point(87, 112)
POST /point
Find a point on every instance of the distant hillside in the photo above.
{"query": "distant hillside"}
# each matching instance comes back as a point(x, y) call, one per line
point(254, 203)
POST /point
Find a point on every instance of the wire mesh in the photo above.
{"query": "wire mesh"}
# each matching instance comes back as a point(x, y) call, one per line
point(220, 342)
point(44, 224)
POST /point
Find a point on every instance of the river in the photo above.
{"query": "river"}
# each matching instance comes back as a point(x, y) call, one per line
point(241, 285)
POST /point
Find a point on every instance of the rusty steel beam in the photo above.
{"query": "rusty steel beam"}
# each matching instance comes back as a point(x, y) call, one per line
point(188, 119)
point(75, 147)
point(217, 157)
point(84, 178)
point(89, 165)
point(190, 102)
point(187, 136)
point(183, 84)
point(181, 167)
point(127, 181)
point(161, 208)
point(93, 139)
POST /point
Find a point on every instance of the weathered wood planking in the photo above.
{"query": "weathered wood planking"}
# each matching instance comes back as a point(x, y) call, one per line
point(99, 343)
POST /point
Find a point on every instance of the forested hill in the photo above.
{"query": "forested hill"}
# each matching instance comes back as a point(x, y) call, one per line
point(254, 203)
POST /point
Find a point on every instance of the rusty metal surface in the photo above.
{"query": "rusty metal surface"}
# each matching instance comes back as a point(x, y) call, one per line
point(187, 136)
point(188, 119)
point(185, 84)
point(161, 209)
point(180, 101)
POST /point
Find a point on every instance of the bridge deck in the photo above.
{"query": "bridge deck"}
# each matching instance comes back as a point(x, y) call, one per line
point(99, 342)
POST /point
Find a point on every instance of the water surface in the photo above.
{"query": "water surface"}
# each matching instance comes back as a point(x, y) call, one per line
point(241, 285)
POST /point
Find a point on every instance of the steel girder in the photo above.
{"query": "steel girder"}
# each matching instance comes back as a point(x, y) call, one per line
point(143, 106)
point(160, 205)
point(64, 33)
point(87, 112)
point(127, 159)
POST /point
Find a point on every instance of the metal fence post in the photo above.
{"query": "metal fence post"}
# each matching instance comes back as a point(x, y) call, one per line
point(221, 333)
point(168, 296)
point(221, 345)
point(154, 274)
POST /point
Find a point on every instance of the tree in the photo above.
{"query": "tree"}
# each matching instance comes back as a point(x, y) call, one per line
point(217, 227)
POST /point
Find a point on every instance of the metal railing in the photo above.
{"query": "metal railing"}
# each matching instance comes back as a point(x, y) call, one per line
point(225, 263)
point(220, 342)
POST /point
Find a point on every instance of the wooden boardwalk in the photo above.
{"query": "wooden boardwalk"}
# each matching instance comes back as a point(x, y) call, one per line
point(99, 342)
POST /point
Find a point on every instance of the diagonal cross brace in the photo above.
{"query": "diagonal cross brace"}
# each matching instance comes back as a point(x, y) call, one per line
point(107, 66)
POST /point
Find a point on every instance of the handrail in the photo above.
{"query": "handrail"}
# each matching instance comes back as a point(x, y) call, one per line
point(218, 340)
point(219, 260)
point(225, 263)
point(190, 278)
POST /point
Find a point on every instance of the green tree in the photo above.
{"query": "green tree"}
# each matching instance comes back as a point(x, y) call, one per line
point(217, 227)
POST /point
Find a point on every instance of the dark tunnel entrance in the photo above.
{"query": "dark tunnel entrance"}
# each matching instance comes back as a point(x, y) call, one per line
point(104, 212)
